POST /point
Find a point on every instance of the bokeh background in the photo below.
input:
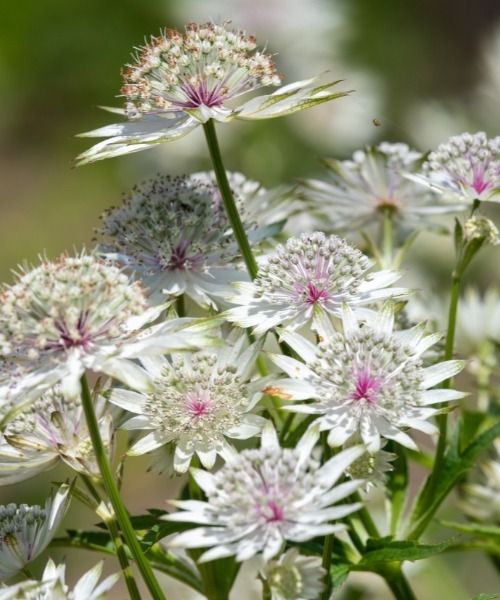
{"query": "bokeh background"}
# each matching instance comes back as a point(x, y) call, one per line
point(422, 70)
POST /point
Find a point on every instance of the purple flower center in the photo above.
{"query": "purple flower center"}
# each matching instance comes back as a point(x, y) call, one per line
point(79, 338)
point(200, 95)
point(367, 387)
point(275, 514)
point(479, 183)
point(198, 404)
point(179, 259)
point(315, 294)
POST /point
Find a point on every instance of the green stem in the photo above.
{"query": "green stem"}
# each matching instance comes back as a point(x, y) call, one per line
point(228, 199)
point(114, 532)
point(114, 495)
point(180, 306)
point(398, 584)
point(326, 561)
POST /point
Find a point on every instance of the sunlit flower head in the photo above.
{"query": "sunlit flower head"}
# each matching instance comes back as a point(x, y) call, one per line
point(173, 234)
point(46, 431)
point(367, 381)
point(371, 183)
point(197, 402)
point(294, 576)
point(261, 498)
point(466, 167)
point(481, 495)
point(25, 531)
point(309, 275)
point(76, 313)
point(53, 585)
point(178, 81)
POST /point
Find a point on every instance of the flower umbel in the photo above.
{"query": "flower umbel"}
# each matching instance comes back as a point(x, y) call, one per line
point(368, 381)
point(373, 181)
point(53, 585)
point(294, 577)
point(79, 313)
point(261, 498)
point(25, 531)
point(181, 80)
point(466, 167)
point(196, 402)
point(311, 275)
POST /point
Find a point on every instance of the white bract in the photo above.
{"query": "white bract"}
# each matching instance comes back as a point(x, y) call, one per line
point(309, 277)
point(181, 80)
point(25, 531)
point(362, 189)
point(53, 585)
point(51, 429)
point(78, 313)
point(261, 498)
point(173, 234)
point(195, 402)
point(371, 466)
point(465, 168)
point(368, 380)
point(294, 577)
point(481, 499)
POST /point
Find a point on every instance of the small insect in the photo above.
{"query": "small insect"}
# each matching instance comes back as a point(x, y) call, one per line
point(377, 122)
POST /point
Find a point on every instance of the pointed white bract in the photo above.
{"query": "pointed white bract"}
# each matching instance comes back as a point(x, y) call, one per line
point(367, 381)
point(307, 278)
point(294, 576)
point(197, 402)
point(53, 585)
point(77, 313)
point(173, 234)
point(40, 434)
point(481, 494)
point(180, 80)
point(261, 498)
point(465, 168)
point(362, 189)
point(371, 466)
point(25, 531)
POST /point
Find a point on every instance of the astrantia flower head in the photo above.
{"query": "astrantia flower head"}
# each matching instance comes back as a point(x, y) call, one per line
point(53, 585)
point(310, 275)
point(466, 167)
point(368, 381)
point(479, 227)
point(369, 184)
point(481, 495)
point(50, 429)
point(371, 466)
point(180, 80)
point(261, 498)
point(174, 235)
point(25, 531)
point(76, 313)
point(294, 577)
point(197, 402)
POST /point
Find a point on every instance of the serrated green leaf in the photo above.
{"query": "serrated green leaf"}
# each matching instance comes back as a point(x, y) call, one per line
point(397, 551)
point(338, 575)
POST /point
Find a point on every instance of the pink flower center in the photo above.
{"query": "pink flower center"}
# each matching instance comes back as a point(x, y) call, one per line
point(179, 259)
point(71, 339)
point(200, 95)
point(367, 387)
point(275, 513)
point(479, 183)
point(198, 404)
point(315, 294)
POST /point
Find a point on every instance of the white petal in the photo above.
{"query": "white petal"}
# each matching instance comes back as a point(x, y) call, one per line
point(441, 371)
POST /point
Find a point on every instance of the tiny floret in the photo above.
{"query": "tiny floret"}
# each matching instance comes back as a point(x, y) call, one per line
point(481, 228)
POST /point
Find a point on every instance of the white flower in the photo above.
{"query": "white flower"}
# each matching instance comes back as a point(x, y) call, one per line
point(368, 381)
point(79, 313)
point(37, 436)
point(372, 182)
point(173, 233)
point(310, 276)
point(53, 585)
point(482, 497)
point(179, 81)
point(294, 577)
point(25, 531)
point(466, 167)
point(261, 498)
point(196, 401)
point(479, 227)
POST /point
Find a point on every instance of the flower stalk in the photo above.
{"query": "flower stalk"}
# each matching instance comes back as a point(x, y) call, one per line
point(114, 496)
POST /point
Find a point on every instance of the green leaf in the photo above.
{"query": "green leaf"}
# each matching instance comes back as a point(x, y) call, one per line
point(486, 597)
point(338, 575)
point(490, 532)
point(385, 550)
point(455, 464)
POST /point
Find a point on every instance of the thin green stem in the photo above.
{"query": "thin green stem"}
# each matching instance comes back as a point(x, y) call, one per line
point(180, 306)
point(121, 552)
point(326, 560)
point(366, 519)
point(114, 495)
point(398, 584)
point(228, 199)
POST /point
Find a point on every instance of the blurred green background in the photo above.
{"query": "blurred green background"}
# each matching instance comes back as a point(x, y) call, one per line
point(422, 70)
